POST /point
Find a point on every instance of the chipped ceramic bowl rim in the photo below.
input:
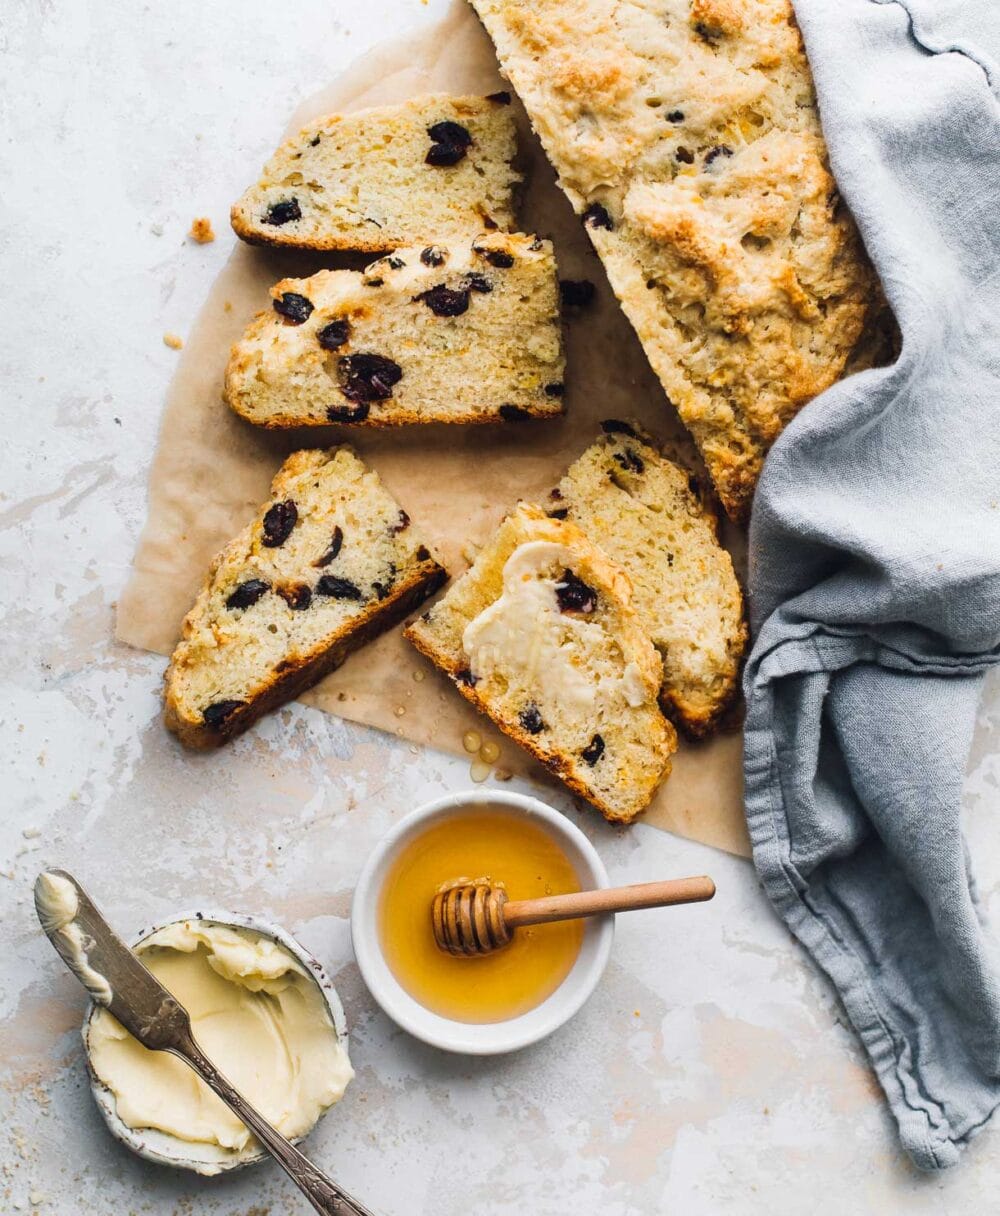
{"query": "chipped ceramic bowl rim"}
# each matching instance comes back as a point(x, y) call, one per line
point(479, 1038)
point(162, 1147)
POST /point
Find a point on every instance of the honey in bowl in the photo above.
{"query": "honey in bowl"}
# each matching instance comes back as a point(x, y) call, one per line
point(480, 842)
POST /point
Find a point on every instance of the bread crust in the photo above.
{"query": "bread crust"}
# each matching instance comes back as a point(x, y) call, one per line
point(400, 417)
point(686, 135)
point(609, 577)
point(423, 202)
point(300, 671)
point(681, 575)
point(467, 362)
point(556, 764)
point(250, 234)
point(308, 670)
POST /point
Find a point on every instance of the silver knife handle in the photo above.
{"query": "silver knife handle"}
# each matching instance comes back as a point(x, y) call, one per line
point(323, 1194)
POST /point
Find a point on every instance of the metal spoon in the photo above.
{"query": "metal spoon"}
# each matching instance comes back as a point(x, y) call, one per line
point(115, 978)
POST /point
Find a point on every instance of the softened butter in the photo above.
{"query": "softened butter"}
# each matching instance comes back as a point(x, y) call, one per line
point(259, 1016)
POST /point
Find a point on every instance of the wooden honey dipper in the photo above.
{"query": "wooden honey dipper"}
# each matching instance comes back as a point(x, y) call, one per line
point(474, 916)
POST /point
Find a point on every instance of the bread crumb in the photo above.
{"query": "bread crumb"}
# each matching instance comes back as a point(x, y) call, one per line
point(174, 341)
point(202, 230)
point(228, 306)
point(502, 774)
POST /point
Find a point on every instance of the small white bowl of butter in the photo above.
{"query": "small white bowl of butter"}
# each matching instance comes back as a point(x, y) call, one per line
point(263, 1010)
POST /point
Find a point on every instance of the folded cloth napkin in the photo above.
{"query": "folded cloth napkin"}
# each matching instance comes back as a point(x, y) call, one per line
point(875, 573)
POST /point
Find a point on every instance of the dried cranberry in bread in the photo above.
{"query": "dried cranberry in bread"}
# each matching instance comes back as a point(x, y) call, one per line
point(540, 635)
point(328, 564)
point(460, 332)
point(434, 168)
point(685, 134)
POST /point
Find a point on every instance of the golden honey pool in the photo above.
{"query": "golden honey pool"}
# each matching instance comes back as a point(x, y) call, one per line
point(515, 995)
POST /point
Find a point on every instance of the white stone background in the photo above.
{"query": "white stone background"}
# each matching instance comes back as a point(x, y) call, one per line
point(711, 1073)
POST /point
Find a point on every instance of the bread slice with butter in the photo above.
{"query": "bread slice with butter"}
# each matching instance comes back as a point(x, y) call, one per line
point(647, 515)
point(328, 564)
point(433, 168)
point(540, 635)
point(460, 332)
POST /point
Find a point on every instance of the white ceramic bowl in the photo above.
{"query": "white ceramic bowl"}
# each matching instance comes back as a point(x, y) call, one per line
point(474, 1038)
point(160, 1146)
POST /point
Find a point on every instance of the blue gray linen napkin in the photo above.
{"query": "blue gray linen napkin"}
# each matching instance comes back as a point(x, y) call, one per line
point(875, 573)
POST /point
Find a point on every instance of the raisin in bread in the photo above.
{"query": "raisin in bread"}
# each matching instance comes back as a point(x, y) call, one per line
point(645, 513)
point(540, 635)
point(686, 135)
point(327, 565)
point(462, 332)
point(434, 168)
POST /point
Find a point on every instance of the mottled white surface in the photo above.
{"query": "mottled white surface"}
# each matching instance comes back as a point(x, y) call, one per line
point(712, 1072)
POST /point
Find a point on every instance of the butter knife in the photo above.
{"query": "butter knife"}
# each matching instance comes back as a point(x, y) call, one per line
point(115, 978)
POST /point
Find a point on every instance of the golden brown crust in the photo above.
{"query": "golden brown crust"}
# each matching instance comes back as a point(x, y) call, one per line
point(402, 417)
point(435, 636)
point(687, 136)
point(257, 662)
point(696, 722)
point(303, 673)
point(642, 509)
point(554, 763)
point(327, 243)
point(368, 180)
point(472, 335)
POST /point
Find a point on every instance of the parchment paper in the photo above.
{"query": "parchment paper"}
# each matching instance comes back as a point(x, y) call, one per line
point(212, 470)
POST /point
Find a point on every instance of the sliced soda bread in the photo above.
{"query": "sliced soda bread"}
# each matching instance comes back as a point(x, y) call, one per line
point(434, 168)
point(328, 564)
point(645, 513)
point(540, 635)
point(463, 332)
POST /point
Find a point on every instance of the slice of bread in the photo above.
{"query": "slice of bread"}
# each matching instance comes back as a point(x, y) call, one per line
point(464, 332)
point(434, 168)
point(328, 564)
point(687, 137)
point(644, 511)
point(540, 635)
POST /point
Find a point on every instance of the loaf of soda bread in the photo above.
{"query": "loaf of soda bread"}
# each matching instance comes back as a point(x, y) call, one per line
point(434, 168)
point(464, 331)
point(648, 516)
point(328, 564)
point(686, 135)
point(541, 636)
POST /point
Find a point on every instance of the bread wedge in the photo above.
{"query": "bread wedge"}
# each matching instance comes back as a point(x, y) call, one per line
point(461, 332)
point(434, 168)
point(540, 635)
point(646, 513)
point(328, 564)
point(686, 135)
